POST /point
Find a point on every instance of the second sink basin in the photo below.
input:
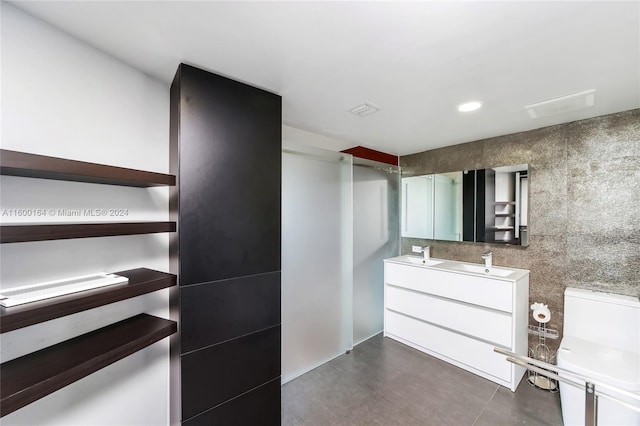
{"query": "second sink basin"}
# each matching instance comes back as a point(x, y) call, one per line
point(480, 269)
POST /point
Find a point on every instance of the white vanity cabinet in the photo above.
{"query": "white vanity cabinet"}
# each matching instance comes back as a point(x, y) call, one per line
point(459, 317)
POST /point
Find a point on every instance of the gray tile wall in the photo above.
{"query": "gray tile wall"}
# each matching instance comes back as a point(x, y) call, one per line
point(584, 213)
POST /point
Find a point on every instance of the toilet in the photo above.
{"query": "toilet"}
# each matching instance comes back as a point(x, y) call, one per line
point(601, 340)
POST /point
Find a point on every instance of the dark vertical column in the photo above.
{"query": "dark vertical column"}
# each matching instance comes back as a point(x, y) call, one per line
point(227, 141)
point(480, 206)
point(468, 205)
point(490, 206)
point(485, 205)
point(175, 399)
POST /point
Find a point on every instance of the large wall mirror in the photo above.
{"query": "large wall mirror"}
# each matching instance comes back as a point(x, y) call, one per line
point(486, 205)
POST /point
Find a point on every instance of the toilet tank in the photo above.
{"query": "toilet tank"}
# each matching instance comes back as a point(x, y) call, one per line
point(609, 319)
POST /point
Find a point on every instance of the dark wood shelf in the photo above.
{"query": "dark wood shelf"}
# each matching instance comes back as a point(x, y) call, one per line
point(36, 232)
point(36, 375)
point(14, 163)
point(501, 229)
point(505, 215)
point(141, 281)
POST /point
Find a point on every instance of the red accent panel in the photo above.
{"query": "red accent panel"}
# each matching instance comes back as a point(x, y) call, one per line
point(372, 154)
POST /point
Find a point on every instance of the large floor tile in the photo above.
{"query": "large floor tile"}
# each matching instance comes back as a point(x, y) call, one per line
point(538, 405)
point(383, 382)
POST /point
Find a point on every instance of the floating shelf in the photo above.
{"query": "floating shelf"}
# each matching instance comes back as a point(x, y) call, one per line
point(36, 375)
point(505, 215)
point(499, 229)
point(141, 281)
point(14, 163)
point(23, 233)
point(505, 203)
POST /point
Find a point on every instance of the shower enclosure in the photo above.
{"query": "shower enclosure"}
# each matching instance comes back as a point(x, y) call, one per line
point(339, 220)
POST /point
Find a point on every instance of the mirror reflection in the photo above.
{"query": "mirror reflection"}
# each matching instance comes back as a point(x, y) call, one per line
point(432, 206)
point(487, 205)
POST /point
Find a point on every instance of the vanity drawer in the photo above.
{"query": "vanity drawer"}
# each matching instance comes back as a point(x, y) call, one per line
point(492, 326)
point(488, 292)
point(470, 352)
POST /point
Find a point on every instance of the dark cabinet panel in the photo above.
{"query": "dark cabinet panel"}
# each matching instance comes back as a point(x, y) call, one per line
point(213, 375)
point(230, 178)
point(222, 310)
point(259, 407)
point(226, 152)
point(485, 205)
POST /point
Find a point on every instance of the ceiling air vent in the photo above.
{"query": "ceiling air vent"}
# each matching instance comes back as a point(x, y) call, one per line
point(364, 109)
point(562, 105)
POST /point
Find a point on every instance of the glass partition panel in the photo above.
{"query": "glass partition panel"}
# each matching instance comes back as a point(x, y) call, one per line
point(316, 258)
point(375, 238)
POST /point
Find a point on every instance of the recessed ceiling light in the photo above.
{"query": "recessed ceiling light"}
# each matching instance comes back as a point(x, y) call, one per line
point(469, 106)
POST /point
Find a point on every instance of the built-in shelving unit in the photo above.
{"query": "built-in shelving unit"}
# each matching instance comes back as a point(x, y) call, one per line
point(38, 374)
point(14, 163)
point(41, 232)
point(504, 216)
point(35, 375)
point(141, 281)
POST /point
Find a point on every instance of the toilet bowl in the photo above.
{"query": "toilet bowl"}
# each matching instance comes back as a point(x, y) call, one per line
point(602, 342)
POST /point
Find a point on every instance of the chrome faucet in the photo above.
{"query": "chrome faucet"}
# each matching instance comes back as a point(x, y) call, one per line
point(426, 252)
point(488, 260)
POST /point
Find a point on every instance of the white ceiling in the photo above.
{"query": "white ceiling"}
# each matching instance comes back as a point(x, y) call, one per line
point(416, 60)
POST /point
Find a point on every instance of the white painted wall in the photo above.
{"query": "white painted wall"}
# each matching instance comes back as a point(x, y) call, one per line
point(63, 98)
point(295, 135)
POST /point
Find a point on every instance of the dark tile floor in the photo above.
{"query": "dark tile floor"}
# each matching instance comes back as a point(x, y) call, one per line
point(383, 382)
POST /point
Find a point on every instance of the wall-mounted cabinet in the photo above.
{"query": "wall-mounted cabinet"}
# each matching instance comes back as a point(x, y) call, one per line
point(485, 205)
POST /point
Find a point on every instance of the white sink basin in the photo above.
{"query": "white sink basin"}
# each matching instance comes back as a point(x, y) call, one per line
point(453, 266)
point(480, 269)
point(415, 260)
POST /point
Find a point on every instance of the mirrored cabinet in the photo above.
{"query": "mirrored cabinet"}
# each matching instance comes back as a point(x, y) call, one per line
point(486, 205)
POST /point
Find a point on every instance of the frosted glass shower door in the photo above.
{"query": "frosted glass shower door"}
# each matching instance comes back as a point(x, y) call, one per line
point(316, 258)
point(376, 236)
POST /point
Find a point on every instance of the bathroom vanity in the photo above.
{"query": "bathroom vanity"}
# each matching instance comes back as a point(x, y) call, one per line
point(459, 312)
